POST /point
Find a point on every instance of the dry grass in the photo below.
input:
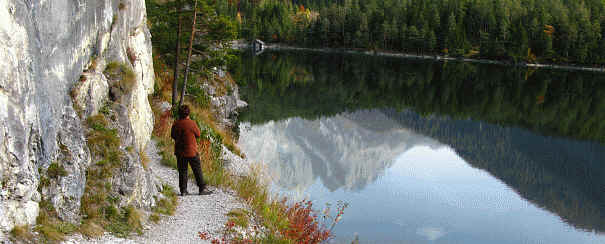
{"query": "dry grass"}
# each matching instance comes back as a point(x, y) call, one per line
point(93, 63)
point(49, 226)
point(22, 234)
point(91, 229)
point(166, 205)
point(144, 159)
point(99, 202)
point(205, 115)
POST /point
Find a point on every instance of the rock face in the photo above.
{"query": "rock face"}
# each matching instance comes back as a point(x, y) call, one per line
point(46, 49)
point(225, 106)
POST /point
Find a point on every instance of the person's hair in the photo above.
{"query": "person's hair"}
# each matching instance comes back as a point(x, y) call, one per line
point(184, 111)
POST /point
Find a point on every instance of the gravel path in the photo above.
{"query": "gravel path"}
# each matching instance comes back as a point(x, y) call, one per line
point(194, 213)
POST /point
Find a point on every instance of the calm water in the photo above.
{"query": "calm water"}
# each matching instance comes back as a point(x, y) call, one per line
point(431, 152)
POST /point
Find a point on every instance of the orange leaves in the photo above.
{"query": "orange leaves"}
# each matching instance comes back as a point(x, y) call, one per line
point(549, 30)
point(304, 226)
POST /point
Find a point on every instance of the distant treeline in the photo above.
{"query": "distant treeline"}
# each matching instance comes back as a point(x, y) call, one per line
point(280, 85)
point(560, 31)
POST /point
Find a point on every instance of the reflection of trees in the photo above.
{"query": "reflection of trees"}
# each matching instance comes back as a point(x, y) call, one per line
point(286, 84)
point(566, 177)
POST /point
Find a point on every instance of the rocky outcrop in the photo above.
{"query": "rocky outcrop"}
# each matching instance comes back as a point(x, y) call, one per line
point(50, 50)
point(224, 105)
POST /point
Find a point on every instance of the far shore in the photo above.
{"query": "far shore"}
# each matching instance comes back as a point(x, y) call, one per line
point(428, 57)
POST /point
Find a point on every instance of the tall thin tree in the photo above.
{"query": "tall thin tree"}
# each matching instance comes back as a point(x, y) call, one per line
point(193, 29)
point(177, 52)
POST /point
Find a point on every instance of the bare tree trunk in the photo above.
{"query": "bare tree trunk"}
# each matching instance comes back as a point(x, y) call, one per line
point(177, 51)
point(189, 54)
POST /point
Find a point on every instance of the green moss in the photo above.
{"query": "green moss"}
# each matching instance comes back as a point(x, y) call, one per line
point(122, 73)
point(106, 109)
point(55, 170)
point(155, 217)
point(44, 182)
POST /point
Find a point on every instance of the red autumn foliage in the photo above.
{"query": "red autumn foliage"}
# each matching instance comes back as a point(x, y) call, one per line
point(164, 123)
point(305, 226)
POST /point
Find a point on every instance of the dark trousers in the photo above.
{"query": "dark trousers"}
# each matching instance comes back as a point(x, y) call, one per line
point(196, 167)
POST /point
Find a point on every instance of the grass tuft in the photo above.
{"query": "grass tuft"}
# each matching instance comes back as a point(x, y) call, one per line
point(166, 205)
point(91, 229)
point(55, 170)
point(22, 234)
point(144, 159)
point(99, 204)
point(122, 73)
point(239, 217)
point(50, 227)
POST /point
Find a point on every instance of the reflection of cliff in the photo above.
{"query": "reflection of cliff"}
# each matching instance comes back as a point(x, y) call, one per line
point(347, 151)
point(566, 177)
point(570, 104)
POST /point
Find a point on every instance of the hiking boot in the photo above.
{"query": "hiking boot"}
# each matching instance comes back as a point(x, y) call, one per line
point(205, 192)
point(184, 193)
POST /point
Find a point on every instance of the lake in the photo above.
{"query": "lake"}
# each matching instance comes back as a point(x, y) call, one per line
point(430, 152)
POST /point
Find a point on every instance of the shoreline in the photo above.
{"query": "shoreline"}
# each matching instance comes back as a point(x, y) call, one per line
point(438, 58)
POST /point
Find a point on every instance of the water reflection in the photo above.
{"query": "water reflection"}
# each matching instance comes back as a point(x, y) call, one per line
point(345, 151)
point(400, 136)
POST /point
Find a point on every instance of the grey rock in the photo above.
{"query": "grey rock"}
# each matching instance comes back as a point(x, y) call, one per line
point(225, 107)
point(115, 94)
point(44, 49)
point(89, 94)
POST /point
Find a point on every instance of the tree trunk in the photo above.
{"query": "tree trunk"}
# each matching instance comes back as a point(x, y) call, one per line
point(176, 59)
point(189, 54)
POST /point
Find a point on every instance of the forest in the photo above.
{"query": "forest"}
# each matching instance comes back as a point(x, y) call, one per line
point(311, 85)
point(545, 31)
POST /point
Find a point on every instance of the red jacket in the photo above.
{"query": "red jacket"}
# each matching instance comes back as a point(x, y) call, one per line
point(184, 132)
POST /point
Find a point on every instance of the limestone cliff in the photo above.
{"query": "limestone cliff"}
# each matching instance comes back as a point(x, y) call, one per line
point(49, 50)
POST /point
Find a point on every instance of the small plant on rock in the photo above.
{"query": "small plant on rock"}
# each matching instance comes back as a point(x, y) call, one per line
point(55, 170)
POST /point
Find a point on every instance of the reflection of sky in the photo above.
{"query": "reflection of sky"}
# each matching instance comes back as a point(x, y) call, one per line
point(401, 185)
point(433, 196)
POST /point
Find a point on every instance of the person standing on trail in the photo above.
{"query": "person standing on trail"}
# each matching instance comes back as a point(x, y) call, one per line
point(184, 132)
